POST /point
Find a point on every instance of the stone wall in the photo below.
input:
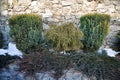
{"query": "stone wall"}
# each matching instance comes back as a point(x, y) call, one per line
point(61, 11)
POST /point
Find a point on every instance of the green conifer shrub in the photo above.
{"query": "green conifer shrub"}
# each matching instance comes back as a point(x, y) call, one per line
point(101, 66)
point(95, 28)
point(26, 30)
point(65, 37)
point(1, 40)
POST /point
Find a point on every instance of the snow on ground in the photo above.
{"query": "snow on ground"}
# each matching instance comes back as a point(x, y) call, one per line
point(109, 51)
point(12, 50)
point(3, 51)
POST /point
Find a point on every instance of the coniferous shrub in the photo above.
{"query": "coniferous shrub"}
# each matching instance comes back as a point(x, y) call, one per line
point(26, 30)
point(1, 40)
point(95, 28)
point(65, 37)
point(45, 61)
point(100, 66)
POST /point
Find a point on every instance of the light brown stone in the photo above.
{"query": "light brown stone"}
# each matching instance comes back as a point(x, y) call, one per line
point(24, 2)
point(55, 1)
point(19, 8)
point(79, 1)
point(35, 9)
point(66, 10)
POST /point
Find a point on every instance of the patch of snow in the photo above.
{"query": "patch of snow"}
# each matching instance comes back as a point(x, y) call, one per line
point(3, 51)
point(100, 50)
point(109, 51)
point(13, 51)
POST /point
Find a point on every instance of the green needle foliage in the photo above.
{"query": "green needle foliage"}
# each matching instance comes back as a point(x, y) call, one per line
point(100, 66)
point(26, 30)
point(65, 37)
point(95, 28)
point(1, 40)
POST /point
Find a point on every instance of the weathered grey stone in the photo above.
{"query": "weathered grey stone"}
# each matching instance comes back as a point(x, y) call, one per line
point(73, 75)
point(43, 76)
point(11, 73)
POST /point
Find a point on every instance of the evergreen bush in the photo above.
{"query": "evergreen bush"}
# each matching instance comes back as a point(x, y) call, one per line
point(1, 40)
point(95, 28)
point(26, 30)
point(65, 37)
point(45, 61)
point(97, 65)
point(100, 66)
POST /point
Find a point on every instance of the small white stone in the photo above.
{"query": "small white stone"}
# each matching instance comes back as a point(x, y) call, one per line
point(10, 2)
point(103, 10)
point(112, 10)
point(48, 13)
point(4, 12)
point(55, 1)
point(28, 11)
point(100, 6)
point(34, 3)
point(66, 3)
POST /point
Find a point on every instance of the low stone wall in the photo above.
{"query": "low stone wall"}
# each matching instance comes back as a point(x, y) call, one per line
point(64, 10)
point(61, 11)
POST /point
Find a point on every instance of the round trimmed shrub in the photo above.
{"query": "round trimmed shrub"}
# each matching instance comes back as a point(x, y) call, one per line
point(65, 37)
point(26, 30)
point(95, 28)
